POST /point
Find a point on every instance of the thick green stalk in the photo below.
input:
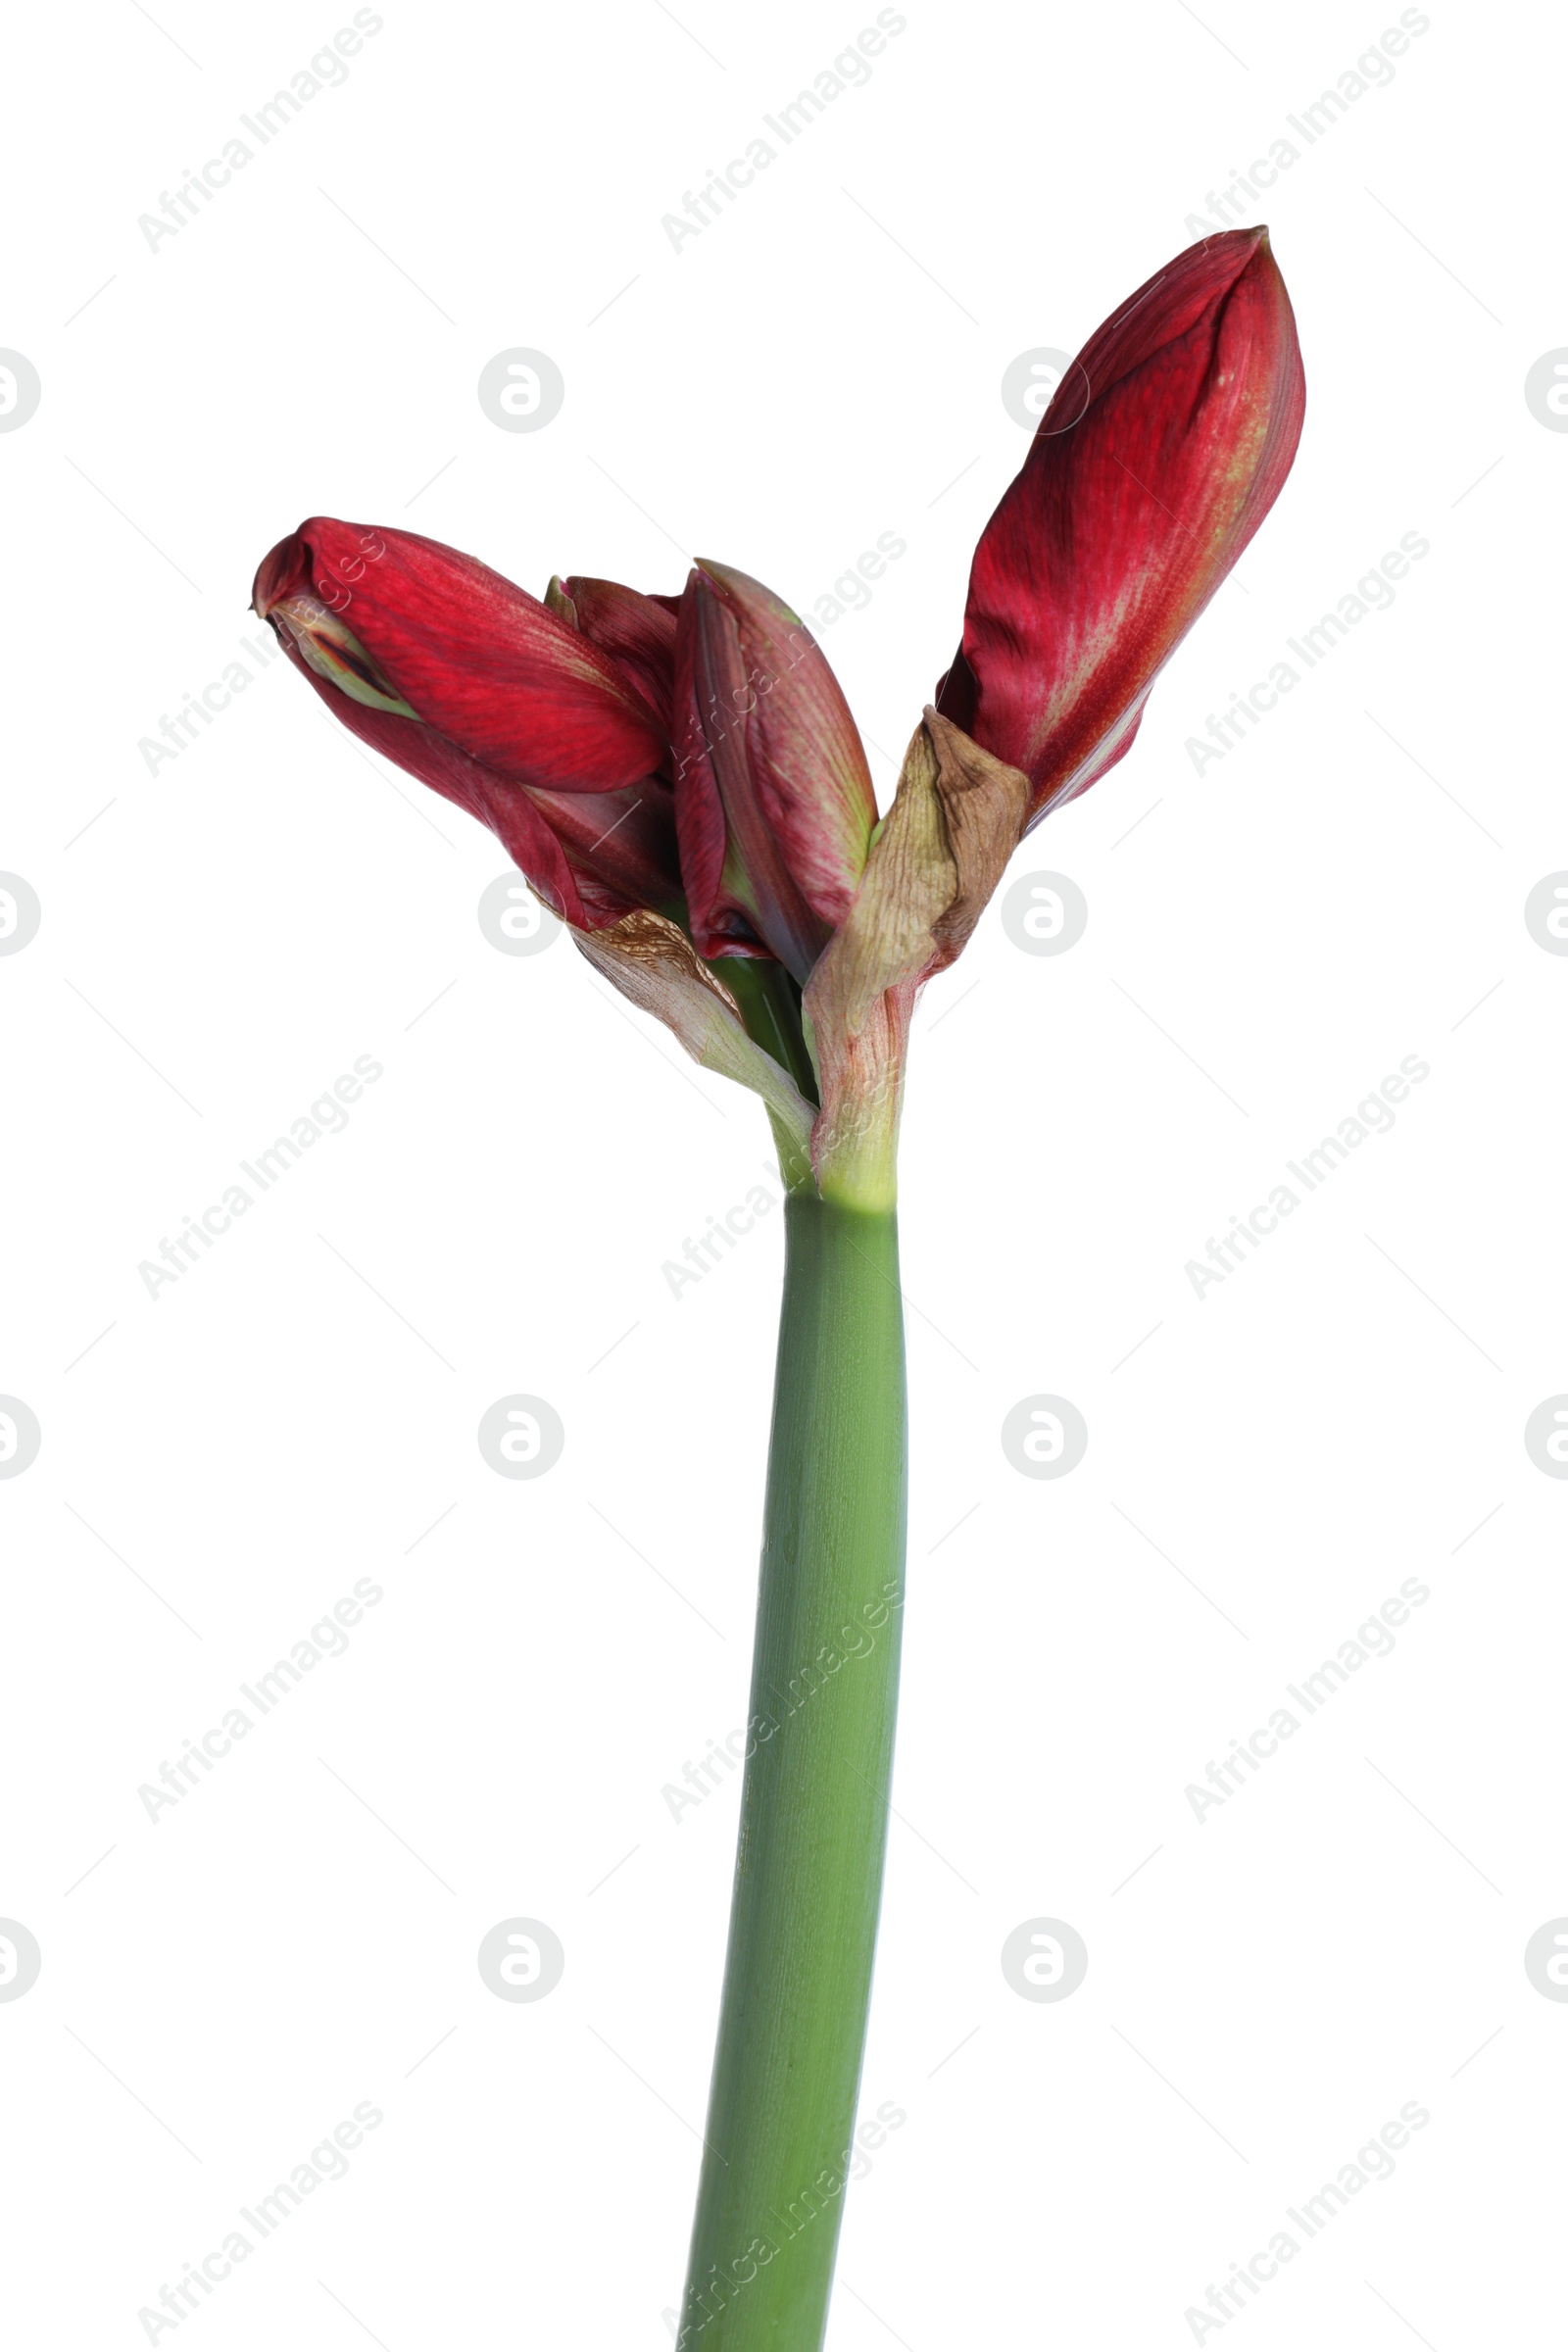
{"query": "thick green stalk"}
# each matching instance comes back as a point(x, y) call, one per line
point(815, 1800)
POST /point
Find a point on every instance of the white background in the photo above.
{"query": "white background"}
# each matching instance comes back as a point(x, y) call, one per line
point(222, 938)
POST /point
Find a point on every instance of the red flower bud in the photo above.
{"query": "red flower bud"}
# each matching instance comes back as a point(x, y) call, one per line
point(773, 800)
point(477, 689)
point(1164, 448)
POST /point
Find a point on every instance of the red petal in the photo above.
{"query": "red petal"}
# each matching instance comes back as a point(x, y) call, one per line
point(637, 632)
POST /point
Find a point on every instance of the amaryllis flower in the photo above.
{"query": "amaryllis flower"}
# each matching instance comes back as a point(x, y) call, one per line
point(1165, 444)
point(511, 710)
point(682, 779)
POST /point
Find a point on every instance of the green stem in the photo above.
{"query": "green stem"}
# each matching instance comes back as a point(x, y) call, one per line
point(814, 1803)
point(771, 1007)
